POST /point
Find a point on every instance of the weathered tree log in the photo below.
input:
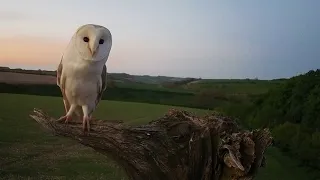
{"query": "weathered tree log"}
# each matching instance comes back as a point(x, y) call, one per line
point(178, 146)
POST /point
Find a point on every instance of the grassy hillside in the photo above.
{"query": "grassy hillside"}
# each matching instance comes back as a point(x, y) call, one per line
point(161, 83)
point(231, 96)
point(289, 107)
point(233, 86)
point(28, 151)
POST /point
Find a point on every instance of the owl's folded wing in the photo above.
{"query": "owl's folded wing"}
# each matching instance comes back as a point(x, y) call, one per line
point(103, 86)
point(61, 84)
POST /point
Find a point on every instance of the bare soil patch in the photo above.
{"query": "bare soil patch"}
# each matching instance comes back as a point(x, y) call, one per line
point(21, 78)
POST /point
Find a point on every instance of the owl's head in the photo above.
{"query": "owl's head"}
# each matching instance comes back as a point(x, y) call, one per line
point(93, 42)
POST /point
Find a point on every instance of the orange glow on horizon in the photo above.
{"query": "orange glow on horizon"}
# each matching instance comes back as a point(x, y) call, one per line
point(30, 50)
point(40, 51)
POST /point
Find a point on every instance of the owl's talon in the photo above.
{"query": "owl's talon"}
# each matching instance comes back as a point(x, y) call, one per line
point(66, 118)
point(61, 118)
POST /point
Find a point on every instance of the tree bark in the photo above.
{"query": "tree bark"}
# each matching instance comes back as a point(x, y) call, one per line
point(177, 146)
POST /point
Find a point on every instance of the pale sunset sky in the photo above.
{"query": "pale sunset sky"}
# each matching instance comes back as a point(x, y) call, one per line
point(189, 38)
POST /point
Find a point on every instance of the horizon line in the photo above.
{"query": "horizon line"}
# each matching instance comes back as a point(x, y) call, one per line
point(199, 78)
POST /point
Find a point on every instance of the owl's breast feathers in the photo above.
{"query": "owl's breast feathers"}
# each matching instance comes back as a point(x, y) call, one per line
point(84, 82)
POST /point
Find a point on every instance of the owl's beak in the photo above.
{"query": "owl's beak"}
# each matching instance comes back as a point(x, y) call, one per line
point(93, 48)
point(93, 52)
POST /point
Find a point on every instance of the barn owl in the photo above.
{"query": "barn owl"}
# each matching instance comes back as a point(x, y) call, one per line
point(82, 72)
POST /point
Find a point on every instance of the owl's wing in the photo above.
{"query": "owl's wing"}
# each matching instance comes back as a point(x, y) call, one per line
point(103, 86)
point(61, 84)
point(59, 72)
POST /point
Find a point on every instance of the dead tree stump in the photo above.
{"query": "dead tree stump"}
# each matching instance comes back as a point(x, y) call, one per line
point(178, 146)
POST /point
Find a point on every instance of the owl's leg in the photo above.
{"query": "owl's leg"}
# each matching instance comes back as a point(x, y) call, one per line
point(86, 118)
point(66, 106)
point(68, 116)
point(65, 100)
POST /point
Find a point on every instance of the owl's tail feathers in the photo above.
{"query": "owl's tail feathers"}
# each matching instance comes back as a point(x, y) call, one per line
point(78, 114)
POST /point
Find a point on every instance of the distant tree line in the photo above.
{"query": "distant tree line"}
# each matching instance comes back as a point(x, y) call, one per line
point(19, 70)
point(178, 83)
point(27, 71)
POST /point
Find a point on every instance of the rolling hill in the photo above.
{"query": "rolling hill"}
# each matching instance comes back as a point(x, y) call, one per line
point(21, 76)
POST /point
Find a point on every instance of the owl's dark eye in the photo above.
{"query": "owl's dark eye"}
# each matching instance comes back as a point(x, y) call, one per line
point(101, 41)
point(86, 39)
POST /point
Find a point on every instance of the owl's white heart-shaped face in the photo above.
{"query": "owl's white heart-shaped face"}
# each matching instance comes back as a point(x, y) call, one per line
point(93, 42)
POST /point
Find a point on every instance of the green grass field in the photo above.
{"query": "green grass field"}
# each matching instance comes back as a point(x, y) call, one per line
point(27, 152)
point(233, 86)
